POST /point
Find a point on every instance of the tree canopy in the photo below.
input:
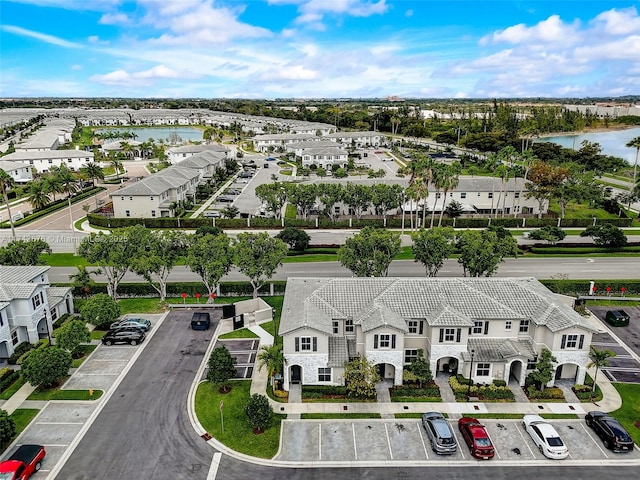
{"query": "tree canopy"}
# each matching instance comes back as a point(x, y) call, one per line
point(71, 335)
point(360, 377)
point(258, 256)
point(46, 366)
point(432, 247)
point(481, 252)
point(209, 256)
point(222, 367)
point(370, 252)
point(100, 310)
point(24, 252)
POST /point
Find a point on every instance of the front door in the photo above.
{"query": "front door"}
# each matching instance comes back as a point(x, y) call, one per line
point(380, 370)
point(296, 374)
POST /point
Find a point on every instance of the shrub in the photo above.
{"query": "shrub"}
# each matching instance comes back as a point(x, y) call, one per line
point(20, 350)
point(259, 412)
point(549, 393)
point(8, 378)
point(7, 427)
point(499, 383)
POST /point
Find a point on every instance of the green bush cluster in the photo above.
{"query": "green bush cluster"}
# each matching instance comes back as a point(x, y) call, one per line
point(554, 250)
point(319, 391)
point(20, 350)
point(581, 287)
point(431, 390)
point(549, 393)
point(7, 377)
point(583, 392)
point(484, 392)
point(61, 320)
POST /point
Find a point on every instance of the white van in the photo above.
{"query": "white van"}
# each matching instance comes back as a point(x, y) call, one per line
point(17, 216)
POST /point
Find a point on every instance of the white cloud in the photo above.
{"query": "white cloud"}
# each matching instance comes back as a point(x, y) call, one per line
point(114, 19)
point(76, 67)
point(550, 30)
point(40, 36)
point(618, 22)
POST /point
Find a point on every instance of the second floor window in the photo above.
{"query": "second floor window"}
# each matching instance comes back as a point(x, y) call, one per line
point(336, 327)
point(384, 341)
point(572, 341)
point(306, 344)
point(524, 326)
point(348, 325)
point(479, 328)
point(450, 335)
point(416, 326)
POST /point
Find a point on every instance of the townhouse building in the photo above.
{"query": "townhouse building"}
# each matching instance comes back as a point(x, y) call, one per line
point(43, 160)
point(358, 139)
point(483, 328)
point(20, 172)
point(29, 306)
point(176, 155)
point(271, 142)
point(325, 157)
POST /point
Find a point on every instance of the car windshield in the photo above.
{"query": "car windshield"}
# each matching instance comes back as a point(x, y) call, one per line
point(483, 442)
point(555, 442)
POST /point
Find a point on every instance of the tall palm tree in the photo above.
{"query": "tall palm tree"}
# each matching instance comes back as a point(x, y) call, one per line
point(6, 181)
point(634, 143)
point(69, 186)
point(271, 357)
point(451, 178)
point(38, 197)
point(599, 359)
point(52, 183)
point(115, 163)
point(93, 171)
point(438, 181)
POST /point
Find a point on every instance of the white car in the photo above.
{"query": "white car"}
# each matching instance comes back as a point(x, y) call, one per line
point(545, 437)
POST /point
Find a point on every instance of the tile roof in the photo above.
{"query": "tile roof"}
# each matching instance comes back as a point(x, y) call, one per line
point(338, 352)
point(498, 349)
point(20, 274)
point(373, 302)
point(10, 291)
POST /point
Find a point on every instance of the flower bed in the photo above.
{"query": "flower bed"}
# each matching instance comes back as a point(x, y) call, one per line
point(487, 393)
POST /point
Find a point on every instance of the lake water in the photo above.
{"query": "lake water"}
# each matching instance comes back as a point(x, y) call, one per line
point(157, 133)
point(612, 143)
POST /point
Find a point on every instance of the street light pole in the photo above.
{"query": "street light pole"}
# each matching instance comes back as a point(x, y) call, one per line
point(470, 375)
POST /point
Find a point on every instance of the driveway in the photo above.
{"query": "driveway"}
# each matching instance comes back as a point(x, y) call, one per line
point(143, 429)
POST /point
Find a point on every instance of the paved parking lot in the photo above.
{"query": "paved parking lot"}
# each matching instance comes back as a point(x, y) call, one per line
point(624, 367)
point(405, 440)
point(59, 423)
point(245, 352)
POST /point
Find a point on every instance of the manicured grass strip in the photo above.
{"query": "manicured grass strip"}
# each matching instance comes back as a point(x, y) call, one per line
point(15, 386)
point(86, 349)
point(629, 414)
point(269, 327)
point(97, 334)
point(415, 399)
point(408, 415)
point(338, 416)
point(241, 333)
point(237, 434)
point(64, 260)
point(57, 394)
point(518, 416)
point(144, 305)
point(22, 417)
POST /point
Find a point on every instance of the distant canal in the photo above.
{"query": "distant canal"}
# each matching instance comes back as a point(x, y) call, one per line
point(182, 134)
point(612, 142)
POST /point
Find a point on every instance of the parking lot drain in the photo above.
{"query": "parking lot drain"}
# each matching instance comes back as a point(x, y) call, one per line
point(476, 407)
point(282, 409)
point(345, 407)
point(206, 436)
point(571, 407)
point(541, 407)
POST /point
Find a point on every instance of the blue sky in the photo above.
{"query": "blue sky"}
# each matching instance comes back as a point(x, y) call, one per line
point(319, 48)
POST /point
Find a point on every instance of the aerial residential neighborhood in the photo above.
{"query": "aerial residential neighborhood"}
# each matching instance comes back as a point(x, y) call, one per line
point(369, 239)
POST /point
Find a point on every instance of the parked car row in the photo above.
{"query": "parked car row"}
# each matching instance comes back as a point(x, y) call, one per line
point(130, 330)
point(544, 435)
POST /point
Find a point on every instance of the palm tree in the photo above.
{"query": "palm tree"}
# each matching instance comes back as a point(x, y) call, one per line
point(116, 163)
point(634, 143)
point(93, 170)
point(438, 181)
point(69, 186)
point(38, 195)
point(6, 181)
point(83, 279)
point(450, 180)
point(599, 359)
point(271, 356)
point(52, 183)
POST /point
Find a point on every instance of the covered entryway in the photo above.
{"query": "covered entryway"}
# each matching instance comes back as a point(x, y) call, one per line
point(4, 350)
point(567, 371)
point(386, 371)
point(447, 365)
point(515, 373)
point(295, 374)
point(43, 329)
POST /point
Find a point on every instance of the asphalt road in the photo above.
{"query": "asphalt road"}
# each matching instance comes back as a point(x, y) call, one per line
point(144, 432)
point(597, 268)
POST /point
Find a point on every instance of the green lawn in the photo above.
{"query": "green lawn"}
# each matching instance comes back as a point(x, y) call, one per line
point(57, 394)
point(97, 334)
point(237, 434)
point(86, 350)
point(629, 414)
point(143, 305)
point(64, 260)
point(15, 386)
point(241, 333)
point(22, 417)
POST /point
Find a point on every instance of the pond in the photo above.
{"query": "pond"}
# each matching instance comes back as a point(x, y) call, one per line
point(612, 142)
point(167, 134)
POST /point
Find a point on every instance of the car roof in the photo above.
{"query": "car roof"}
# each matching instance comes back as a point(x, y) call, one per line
point(547, 429)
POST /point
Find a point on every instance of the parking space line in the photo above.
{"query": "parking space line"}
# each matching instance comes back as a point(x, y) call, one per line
point(320, 441)
point(495, 448)
point(355, 447)
point(215, 463)
point(388, 441)
point(594, 440)
point(422, 440)
point(458, 442)
point(525, 441)
point(60, 423)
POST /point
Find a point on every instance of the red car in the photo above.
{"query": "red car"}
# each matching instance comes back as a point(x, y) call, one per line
point(476, 437)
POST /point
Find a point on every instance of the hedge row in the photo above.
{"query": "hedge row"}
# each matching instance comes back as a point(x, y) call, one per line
point(484, 392)
point(324, 223)
point(317, 391)
point(549, 393)
point(227, 289)
point(7, 377)
point(52, 207)
point(404, 391)
point(581, 287)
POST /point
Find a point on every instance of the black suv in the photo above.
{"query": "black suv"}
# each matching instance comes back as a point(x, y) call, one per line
point(612, 434)
point(132, 336)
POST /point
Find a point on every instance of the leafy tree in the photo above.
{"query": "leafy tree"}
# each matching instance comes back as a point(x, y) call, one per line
point(296, 238)
point(230, 212)
point(605, 235)
point(209, 256)
point(273, 195)
point(329, 194)
point(259, 413)
point(420, 368)
point(71, 335)
point(257, 255)
point(303, 196)
point(549, 233)
point(271, 357)
point(156, 256)
point(6, 182)
point(100, 310)
point(544, 181)
point(46, 366)
point(83, 280)
point(432, 247)
point(360, 377)
point(385, 197)
point(543, 372)
point(7, 427)
point(454, 209)
point(481, 252)
point(222, 368)
point(208, 230)
point(112, 252)
point(24, 252)
point(358, 197)
point(370, 252)
point(599, 359)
